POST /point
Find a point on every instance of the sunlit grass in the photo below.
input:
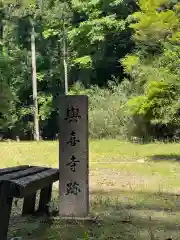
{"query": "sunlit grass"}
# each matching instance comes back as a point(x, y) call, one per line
point(139, 184)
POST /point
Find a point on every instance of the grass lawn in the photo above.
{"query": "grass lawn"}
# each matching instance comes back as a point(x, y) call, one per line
point(134, 189)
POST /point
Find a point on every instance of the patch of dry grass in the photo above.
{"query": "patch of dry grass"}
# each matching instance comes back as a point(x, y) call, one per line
point(133, 188)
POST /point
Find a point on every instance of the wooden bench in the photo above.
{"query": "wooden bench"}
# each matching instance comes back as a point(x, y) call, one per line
point(24, 182)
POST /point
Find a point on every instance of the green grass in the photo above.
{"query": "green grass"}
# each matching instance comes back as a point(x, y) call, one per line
point(134, 189)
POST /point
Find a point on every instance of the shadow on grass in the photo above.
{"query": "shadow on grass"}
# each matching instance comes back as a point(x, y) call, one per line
point(165, 157)
point(124, 215)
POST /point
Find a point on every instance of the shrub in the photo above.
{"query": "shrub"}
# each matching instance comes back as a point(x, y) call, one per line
point(107, 115)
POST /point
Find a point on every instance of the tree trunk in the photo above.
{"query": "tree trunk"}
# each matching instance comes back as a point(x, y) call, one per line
point(34, 86)
point(65, 62)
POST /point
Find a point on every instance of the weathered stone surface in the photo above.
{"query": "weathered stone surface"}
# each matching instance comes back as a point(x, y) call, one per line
point(73, 154)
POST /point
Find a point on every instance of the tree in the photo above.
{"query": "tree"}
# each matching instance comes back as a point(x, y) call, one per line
point(100, 36)
point(97, 34)
point(154, 68)
point(34, 83)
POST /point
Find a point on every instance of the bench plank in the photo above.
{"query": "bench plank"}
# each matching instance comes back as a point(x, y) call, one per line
point(26, 185)
point(4, 171)
point(24, 173)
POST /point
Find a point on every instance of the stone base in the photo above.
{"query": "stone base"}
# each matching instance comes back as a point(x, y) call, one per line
point(88, 219)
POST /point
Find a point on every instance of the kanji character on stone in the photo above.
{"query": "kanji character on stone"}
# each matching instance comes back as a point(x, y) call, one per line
point(72, 115)
point(73, 140)
point(73, 163)
point(72, 188)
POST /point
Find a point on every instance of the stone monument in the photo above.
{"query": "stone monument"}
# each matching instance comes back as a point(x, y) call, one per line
point(73, 157)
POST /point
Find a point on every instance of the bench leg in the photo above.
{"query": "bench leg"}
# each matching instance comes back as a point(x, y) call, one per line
point(45, 198)
point(5, 212)
point(29, 204)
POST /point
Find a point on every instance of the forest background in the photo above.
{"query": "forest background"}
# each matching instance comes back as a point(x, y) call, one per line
point(124, 54)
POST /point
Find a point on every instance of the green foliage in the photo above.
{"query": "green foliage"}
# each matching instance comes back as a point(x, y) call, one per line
point(155, 74)
point(106, 40)
point(153, 24)
point(46, 105)
point(6, 96)
point(130, 62)
point(107, 117)
point(84, 62)
point(99, 37)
